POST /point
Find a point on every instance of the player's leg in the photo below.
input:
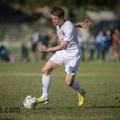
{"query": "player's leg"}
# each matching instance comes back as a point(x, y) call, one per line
point(46, 79)
point(73, 83)
point(76, 86)
point(55, 61)
point(71, 68)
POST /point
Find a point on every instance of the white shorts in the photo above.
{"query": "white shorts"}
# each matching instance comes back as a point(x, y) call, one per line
point(71, 63)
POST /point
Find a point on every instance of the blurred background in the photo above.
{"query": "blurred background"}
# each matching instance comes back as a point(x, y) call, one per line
point(27, 22)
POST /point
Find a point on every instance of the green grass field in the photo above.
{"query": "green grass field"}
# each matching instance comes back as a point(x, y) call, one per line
point(101, 80)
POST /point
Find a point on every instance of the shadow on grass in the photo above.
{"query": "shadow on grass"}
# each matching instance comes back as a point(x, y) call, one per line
point(101, 107)
point(70, 108)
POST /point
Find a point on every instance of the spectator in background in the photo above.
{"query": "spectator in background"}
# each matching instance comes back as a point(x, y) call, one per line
point(100, 39)
point(115, 38)
point(81, 41)
point(24, 52)
point(54, 41)
point(91, 47)
point(107, 42)
point(35, 39)
point(117, 32)
point(4, 53)
point(45, 41)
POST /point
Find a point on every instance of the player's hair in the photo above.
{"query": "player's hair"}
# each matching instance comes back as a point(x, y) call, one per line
point(57, 11)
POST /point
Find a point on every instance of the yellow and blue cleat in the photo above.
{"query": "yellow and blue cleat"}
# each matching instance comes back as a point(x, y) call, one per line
point(81, 98)
point(41, 100)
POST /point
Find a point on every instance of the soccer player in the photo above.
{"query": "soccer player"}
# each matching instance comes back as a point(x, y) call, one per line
point(67, 53)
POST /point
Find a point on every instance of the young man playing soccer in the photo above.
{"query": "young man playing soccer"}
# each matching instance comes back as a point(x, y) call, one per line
point(67, 53)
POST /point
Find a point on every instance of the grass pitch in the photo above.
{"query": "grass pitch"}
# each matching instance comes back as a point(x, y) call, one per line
point(101, 80)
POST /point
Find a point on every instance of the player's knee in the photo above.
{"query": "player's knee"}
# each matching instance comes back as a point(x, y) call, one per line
point(45, 71)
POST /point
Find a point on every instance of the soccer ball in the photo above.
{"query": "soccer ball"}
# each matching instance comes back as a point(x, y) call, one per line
point(30, 102)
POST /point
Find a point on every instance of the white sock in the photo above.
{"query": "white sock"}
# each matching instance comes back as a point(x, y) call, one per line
point(77, 87)
point(46, 79)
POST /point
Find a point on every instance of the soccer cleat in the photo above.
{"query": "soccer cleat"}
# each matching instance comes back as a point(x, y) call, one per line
point(41, 100)
point(81, 98)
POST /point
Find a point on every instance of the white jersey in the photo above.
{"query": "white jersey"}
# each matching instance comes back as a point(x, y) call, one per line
point(68, 32)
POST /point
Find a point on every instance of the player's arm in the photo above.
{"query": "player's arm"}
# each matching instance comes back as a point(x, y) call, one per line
point(62, 46)
point(84, 24)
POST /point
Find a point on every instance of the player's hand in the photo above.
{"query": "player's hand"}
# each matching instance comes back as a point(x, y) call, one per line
point(86, 23)
point(43, 48)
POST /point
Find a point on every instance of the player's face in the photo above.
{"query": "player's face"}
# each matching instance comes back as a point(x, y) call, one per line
point(56, 20)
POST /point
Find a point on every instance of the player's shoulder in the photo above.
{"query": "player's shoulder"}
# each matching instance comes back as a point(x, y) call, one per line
point(68, 25)
point(68, 22)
